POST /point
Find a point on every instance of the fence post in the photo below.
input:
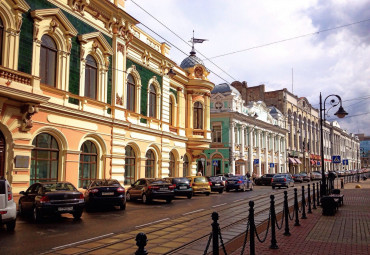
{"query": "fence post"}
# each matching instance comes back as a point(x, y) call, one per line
point(296, 208)
point(286, 213)
point(141, 242)
point(252, 248)
point(314, 196)
point(273, 223)
point(303, 204)
point(309, 199)
point(215, 234)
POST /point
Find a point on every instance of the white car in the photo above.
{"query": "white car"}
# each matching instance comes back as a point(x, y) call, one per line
point(8, 208)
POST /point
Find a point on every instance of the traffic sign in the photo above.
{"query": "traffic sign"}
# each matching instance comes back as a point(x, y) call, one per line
point(336, 159)
point(256, 161)
point(318, 163)
point(214, 162)
point(345, 162)
point(272, 164)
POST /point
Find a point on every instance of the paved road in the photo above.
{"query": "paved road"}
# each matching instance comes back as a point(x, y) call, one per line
point(56, 232)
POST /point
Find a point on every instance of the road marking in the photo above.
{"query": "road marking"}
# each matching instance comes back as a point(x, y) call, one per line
point(86, 240)
point(193, 212)
point(219, 205)
point(152, 222)
point(238, 200)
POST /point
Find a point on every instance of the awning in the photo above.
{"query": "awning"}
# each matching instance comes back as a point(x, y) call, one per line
point(292, 161)
point(298, 161)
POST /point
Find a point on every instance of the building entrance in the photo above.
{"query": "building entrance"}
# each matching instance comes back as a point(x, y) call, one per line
point(2, 154)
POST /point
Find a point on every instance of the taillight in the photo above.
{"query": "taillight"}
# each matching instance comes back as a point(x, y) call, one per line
point(189, 184)
point(210, 183)
point(44, 199)
point(121, 190)
point(3, 212)
point(172, 186)
point(93, 191)
point(272, 180)
point(240, 182)
point(285, 179)
point(10, 195)
point(153, 187)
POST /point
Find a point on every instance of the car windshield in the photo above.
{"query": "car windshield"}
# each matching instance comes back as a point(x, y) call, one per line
point(105, 183)
point(200, 179)
point(280, 176)
point(50, 187)
point(235, 178)
point(214, 178)
point(157, 181)
point(180, 180)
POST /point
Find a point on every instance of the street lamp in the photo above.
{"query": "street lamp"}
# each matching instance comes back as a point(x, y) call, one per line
point(341, 113)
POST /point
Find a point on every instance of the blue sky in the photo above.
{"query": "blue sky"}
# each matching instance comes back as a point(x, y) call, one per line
point(335, 62)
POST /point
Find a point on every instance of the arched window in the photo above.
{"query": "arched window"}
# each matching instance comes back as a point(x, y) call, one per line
point(198, 115)
point(88, 164)
point(170, 111)
point(152, 102)
point(149, 164)
point(129, 166)
point(172, 166)
point(91, 74)
point(130, 93)
point(48, 60)
point(185, 169)
point(44, 159)
point(1, 41)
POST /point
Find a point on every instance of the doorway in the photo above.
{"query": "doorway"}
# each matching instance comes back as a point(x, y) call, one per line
point(2, 154)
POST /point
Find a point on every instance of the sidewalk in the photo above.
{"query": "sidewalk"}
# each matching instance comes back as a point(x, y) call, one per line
point(348, 232)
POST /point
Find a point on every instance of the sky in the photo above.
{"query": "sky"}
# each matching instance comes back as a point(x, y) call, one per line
point(332, 62)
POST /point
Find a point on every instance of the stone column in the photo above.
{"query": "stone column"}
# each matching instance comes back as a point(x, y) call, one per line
point(267, 137)
point(259, 152)
point(273, 170)
point(250, 149)
point(232, 144)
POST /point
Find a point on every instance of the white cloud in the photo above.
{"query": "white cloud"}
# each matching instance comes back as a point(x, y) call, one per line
point(332, 62)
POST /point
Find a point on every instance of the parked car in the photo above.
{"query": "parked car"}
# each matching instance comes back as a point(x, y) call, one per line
point(315, 175)
point(200, 184)
point(148, 189)
point(238, 182)
point(217, 183)
point(8, 208)
point(297, 178)
point(105, 192)
point(181, 185)
point(50, 198)
point(282, 180)
point(305, 177)
point(265, 179)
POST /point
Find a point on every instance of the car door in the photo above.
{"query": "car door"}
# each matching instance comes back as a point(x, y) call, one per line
point(28, 199)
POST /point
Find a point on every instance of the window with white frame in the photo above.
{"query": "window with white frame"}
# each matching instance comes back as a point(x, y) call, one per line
point(216, 134)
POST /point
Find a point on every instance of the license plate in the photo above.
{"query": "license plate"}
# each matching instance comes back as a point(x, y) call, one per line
point(63, 209)
point(107, 193)
point(182, 187)
point(163, 188)
point(231, 182)
point(217, 184)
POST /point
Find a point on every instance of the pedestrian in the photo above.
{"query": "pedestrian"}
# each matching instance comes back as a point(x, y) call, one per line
point(331, 177)
point(199, 173)
point(248, 175)
point(254, 176)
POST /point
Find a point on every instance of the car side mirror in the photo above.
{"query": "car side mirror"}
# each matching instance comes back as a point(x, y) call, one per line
point(22, 193)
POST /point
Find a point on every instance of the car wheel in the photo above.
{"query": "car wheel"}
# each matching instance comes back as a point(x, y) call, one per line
point(145, 199)
point(20, 209)
point(128, 196)
point(208, 193)
point(221, 191)
point(168, 200)
point(227, 190)
point(251, 188)
point(36, 215)
point(122, 206)
point(10, 226)
point(190, 196)
point(77, 215)
point(273, 187)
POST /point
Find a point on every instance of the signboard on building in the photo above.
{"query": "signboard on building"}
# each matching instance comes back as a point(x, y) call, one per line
point(272, 165)
point(256, 161)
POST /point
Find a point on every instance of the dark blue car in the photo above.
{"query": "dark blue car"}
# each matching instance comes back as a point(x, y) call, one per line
point(238, 182)
point(181, 185)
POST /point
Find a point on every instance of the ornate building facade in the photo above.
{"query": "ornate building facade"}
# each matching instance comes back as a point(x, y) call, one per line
point(245, 138)
point(86, 94)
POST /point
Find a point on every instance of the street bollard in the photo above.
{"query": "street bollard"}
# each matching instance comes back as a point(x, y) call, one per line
point(314, 196)
point(286, 213)
point(318, 193)
point(303, 204)
point(273, 223)
point(141, 242)
point(342, 183)
point(215, 227)
point(296, 208)
point(252, 248)
point(309, 199)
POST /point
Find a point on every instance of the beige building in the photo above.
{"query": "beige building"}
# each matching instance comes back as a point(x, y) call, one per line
point(86, 94)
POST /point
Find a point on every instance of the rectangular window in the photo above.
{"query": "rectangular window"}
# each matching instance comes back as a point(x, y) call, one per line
point(216, 134)
point(130, 97)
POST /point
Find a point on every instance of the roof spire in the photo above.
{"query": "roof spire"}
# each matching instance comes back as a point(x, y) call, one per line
point(194, 41)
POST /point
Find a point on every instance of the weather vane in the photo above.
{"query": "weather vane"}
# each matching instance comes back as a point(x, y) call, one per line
point(194, 41)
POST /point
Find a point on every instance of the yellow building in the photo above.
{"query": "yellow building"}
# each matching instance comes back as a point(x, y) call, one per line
point(85, 94)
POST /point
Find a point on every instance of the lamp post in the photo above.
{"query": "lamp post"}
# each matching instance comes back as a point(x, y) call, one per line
point(341, 113)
